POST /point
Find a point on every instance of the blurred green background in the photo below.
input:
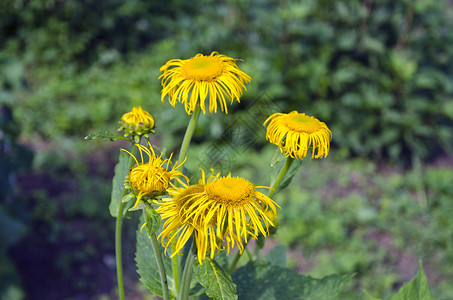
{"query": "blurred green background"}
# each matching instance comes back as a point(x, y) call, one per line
point(379, 73)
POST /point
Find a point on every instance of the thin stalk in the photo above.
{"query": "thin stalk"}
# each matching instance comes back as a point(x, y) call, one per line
point(182, 155)
point(248, 254)
point(277, 182)
point(175, 266)
point(235, 261)
point(160, 266)
point(158, 256)
point(289, 161)
point(118, 251)
point(189, 133)
point(238, 256)
point(187, 273)
point(118, 237)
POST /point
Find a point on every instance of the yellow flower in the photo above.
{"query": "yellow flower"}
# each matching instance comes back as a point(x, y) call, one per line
point(295, 133)
point(192, 80)
point(138, 122)
point(220, 212)
point(148, 180)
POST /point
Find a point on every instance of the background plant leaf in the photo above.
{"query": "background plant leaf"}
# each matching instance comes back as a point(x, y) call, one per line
point(268, 282)
point(217, 282)
point(121, 170)
point(416, 289)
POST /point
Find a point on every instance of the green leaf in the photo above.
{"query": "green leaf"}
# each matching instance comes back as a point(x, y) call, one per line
point(277, 256)
point(147, 266)
point(106, 135)
point(121, 170)
point(268, 282)
point(152, 220)
point(217, 282)
point(416, 289)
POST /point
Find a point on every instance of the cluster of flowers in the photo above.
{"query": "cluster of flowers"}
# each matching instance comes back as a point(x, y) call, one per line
point(218, 211)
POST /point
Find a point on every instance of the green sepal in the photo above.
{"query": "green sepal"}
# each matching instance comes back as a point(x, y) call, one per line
point(127, 198)
point(106, 135)
point(218, 283)
point(152, 219)
point(132, 208)
point(127, 207)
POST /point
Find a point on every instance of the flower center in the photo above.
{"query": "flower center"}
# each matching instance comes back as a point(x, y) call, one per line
point(149, 179)
point(231, 191)
point(202, 68)
point(302, 123)
point(187, 196)
point(189, 209)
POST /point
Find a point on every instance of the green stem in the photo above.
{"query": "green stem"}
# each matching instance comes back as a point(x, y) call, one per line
point(248, 253)
point(189, 133)
point(175, 267)
point(118, 238)
point(182, 155)
point(119, 262)
point(187, 273)
point(277, 182)
point(235, 261)
point(157, 254)
point(289, 161)
point(160, 266)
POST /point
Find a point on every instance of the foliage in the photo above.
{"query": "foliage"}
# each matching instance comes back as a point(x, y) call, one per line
point(14, 158)
point(55, 32)
point(353, 217)
point(378, 72)
point(274, 282)
point(73, 104)
point(380, 64)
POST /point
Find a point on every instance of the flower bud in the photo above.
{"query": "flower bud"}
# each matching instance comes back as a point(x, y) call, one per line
point(137, 123)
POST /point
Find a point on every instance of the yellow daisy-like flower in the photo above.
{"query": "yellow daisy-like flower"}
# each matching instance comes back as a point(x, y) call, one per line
point(192, 80)
point(148, 180)
point(295, 133)
point(137, 122)
point(220, 212)
point(181, 222)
